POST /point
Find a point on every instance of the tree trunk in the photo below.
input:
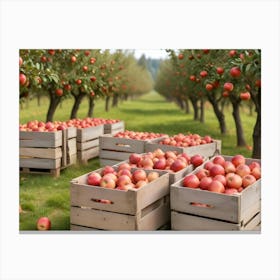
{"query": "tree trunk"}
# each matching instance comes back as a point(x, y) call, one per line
point(115, 100)
point(107, 103)
point(257, 129)
point(187, 106)
point(195, 108)
point(219, 114)
point(77, 103)
point(202, 118)
point(180, 103)
point(90, 107)
point(238, 124)
point(54, 101)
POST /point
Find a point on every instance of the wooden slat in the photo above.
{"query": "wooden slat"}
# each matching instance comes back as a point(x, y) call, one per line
point(72, 146)
point(101, 219)
point(104, 162)
point(39, 163)
point(81, 228)
point(224, 207)
point(88, 154)
point(64, 147)
point(89, 133)
point(120, 156)
point(111, 128)
point(40, 139)
point(72, 132)
point(87, 145)
point(107, 142)
point(253, 224)
point(51, 153)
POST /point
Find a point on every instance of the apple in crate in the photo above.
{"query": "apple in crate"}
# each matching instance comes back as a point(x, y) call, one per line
point(107, 182)
point(243, 170)
point(237, 160)
point(216, 186)
point(135, 158)
point(139, 175)
point(233, 181)
point(107, 169)
point(177, 165)
point(152, 176)
point(191, 181)
point(43, 223)
point(248, 180)
point(196, 160)
point(94, 179)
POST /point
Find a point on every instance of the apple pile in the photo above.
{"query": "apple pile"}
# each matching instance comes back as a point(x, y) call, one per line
point(170, 160)
point(42, 126)
point(89, 122)
point(121, 178)
point(188, 140)
point(224, 176)
point(60, 125)
point(139, 135)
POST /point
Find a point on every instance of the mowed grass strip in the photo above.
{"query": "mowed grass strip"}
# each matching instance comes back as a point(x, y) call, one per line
point(43, 195)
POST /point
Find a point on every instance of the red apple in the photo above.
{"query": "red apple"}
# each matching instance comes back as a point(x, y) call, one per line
point(248, 180)
point(170, 154)
point(216, 186)
point(203, 74)
point(124, 172)
point(228, 86)
point(110, 176)
point(124, 166)
point(135, 158)
point(22, 79)
point(209, 87)
point(123, 180)
point(196, 160)
point(245, 96)
point(220, 70)
point(152, 176)
point(108, 183)
point(205, 182)
point(94, 179)
point(235, 72)
point(43, 223)
point(256, 172)
point(219, 160)
point(178, 165)
point(233, 181)
point(158, 153)
point(160, 164)
point(139, 175)
point(231, 191)
point(238, 159)
point(201, 173)
point(208, 165)
point(243, 170)
point(191, 181)
point(229, 167)
point(140, 184)
point(146, 163)
point(220, 178)
point(254, 164)
point(216, 169)
point(107, 169)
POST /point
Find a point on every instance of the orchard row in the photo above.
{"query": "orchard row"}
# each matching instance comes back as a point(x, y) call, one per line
point(220, 77)
point(67, 73)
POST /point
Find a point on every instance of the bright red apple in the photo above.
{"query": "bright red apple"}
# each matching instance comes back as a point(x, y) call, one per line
point(43, 223)
point(248, 180)
point(238, 159)
point(205, 182)
point(243, 170)
point(139, 175)
point(196, 160)
point(233, 181)
point(191, 181)
point(216, 169)
point(216, 186)
point(219, 160)
point(94, 179)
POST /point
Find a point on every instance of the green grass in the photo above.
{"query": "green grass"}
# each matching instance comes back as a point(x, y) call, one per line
point(47, 196)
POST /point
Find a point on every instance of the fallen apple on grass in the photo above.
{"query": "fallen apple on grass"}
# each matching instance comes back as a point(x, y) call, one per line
point(43, 223)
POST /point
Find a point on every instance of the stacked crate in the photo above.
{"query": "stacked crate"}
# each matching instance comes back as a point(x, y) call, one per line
point(200, 210)
point(88, 142)
point(114, 128)
point(47, 152)
point(143, 209)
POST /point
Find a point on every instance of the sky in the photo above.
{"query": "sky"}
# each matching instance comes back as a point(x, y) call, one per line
point(151, 53)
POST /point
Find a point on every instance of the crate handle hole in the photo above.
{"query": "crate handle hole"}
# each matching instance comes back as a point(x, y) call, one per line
point(123, 145)
point(202, 205)
point(103, 201)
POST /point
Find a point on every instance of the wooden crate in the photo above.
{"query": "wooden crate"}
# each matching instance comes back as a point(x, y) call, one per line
point(119, 149)
point(88, 142)
point(237, 208)
point(114, 128)
point(206, 150)
point(47, 152)
point(146, 208)
point(187, 222)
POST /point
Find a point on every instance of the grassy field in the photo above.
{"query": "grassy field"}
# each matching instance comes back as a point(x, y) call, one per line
point(47, 196)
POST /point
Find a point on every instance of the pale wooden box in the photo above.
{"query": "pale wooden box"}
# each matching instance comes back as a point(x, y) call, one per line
point(114, 128)
point(237, 208)
point(88, 142)
point(146, 208)
point(47, 150)
point(115, 149)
